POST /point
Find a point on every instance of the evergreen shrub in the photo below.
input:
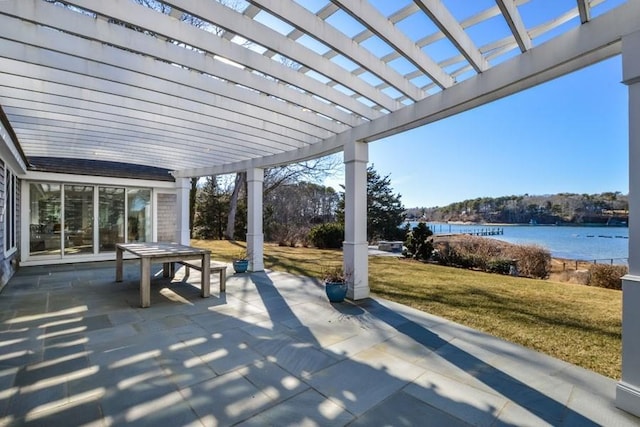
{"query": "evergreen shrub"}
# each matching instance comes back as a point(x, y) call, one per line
point(418, 243)
point(327, 236)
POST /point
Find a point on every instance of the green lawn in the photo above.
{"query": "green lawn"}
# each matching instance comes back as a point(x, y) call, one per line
point(575, 323)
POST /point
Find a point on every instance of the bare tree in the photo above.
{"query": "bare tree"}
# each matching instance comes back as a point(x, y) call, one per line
point(314, 170)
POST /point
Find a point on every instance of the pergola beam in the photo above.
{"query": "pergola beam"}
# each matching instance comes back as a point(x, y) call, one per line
point(100, 88)
point(134, 72)
point(167, 79)
point(130, 132)
point(452, 29)
point(166, 26)
point(306, 22)
point(573, 50)
point(585, 11)
point(198, 134)
point(368, 16)
point(514, 20)
point(134, 42)
point(256, 32)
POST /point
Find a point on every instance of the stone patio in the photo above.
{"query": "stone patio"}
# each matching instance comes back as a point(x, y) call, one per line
point(78, 350)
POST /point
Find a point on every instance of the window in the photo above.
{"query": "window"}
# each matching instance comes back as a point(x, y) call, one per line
point(139, 215)
point(78, 219)
point(9, 211)
point(45, 219)
point(110, 217)
point(81, 219)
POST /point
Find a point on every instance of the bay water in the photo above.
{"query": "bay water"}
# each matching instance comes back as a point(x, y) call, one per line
point(603, 244)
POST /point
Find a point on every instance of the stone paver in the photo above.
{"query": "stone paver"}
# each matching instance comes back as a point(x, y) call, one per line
point(75, 349)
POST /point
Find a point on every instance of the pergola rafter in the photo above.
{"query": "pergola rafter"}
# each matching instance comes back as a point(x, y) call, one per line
point(211, 77)
point(512, 16)
point(585, 10)
point(383, 28)
point(224, 17)
point(307, 23)
point(453, 30)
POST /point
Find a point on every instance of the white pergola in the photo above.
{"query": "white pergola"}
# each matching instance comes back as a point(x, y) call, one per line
point(205, 87)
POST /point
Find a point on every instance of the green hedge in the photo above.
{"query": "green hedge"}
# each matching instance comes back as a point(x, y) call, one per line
point(327, 236)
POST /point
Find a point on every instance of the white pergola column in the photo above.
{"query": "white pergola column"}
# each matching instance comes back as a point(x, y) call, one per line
point(628, 390)
point(255, 236)
point(355, 246)
point(183, 186)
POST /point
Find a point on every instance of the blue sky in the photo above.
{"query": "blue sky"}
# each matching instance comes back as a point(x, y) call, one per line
point(567, 135)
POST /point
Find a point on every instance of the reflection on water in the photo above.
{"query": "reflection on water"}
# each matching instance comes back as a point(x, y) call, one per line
point(585, 243)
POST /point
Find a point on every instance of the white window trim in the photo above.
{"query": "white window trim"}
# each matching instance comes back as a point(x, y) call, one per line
point(10, 179)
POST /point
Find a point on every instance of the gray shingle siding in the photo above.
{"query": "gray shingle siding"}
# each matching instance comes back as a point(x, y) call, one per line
point(167, 218)
point(7, 264)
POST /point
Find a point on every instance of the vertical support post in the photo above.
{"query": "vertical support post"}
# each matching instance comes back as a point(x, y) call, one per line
point(355, 246)
point(205, 278)
point(628, 389)
point(255, 236)
point(119, 258)
point(145, 282)
point(182, 221)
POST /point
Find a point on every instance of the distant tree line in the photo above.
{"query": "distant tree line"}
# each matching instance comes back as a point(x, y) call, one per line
point(604, 208)
point(297, 210)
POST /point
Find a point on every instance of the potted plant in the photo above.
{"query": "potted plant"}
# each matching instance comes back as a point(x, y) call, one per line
point(335, 283)
point(241, 262)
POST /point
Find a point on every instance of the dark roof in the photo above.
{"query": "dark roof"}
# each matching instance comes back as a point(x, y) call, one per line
point(98, 168)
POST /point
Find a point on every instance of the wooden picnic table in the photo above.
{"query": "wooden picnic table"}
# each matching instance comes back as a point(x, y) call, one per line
point(167, 254)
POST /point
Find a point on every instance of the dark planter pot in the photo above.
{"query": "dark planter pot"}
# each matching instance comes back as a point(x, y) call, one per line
point(240, 265)
point(336, 291)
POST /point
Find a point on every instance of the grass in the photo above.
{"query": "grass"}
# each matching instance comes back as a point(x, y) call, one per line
point(575, 323)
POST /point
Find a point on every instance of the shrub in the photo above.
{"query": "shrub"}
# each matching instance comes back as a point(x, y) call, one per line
point(289, 235)
point(532, 260)
point(418, 244)
point(327, 236)
point(500, 266)
point(607, 276)
point(493, 256)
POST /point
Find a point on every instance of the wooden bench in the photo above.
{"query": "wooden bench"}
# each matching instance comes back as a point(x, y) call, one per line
point(197, 265)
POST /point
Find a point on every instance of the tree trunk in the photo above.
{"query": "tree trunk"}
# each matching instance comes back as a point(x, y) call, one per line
point(233, 207)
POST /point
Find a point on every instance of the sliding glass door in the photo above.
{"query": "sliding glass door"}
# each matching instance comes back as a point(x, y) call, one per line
point(45, 229)
point(78, 219)
point(139, 215)
point(111, 218)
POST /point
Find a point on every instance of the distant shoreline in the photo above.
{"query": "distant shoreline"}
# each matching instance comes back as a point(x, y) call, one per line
point(519, 224)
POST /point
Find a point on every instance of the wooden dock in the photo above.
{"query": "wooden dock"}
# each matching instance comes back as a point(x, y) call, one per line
point(493, 231)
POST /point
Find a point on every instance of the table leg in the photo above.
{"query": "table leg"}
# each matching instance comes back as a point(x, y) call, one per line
point(206, 276)
point(118, 264)
point(166, 269)
point(145, 282)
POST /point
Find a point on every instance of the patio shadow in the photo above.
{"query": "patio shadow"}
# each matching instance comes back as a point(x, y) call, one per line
point(76, 350)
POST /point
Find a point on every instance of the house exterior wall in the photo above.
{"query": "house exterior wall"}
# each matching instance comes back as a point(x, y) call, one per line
point(9, 260)
point(161, 219)
point(167, 218)
point(2, 202)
